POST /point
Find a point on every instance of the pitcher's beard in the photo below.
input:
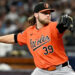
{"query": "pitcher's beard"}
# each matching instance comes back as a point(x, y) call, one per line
point(44, 22)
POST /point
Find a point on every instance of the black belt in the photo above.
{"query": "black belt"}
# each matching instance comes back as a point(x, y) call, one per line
point(64, 64)
point(54, 67)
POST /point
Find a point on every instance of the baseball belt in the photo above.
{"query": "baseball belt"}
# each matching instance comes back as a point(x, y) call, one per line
point(52, 68)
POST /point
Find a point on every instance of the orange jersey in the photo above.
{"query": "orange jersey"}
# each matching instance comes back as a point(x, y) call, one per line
point(45, 44)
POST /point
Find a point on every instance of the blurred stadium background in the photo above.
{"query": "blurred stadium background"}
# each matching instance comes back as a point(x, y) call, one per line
point(16, 60)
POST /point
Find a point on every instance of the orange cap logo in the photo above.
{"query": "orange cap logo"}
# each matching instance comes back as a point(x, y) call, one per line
point(46, 5)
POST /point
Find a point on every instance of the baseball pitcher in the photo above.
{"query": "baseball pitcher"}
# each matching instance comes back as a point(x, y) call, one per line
point(44, 40)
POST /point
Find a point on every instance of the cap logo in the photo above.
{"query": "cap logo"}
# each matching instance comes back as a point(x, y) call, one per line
point(46, 5)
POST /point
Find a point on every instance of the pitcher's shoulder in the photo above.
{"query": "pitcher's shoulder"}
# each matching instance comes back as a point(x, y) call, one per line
point(53, 23)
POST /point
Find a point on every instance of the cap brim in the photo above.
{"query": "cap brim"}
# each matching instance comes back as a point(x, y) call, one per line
point(45, 10)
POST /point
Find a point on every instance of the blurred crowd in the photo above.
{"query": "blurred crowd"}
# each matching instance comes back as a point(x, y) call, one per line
point(14, 15)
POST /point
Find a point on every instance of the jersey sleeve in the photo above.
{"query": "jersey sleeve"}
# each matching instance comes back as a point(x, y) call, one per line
point(21, 38)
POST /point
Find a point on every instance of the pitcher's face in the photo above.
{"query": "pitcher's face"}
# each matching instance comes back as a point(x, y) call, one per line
point(44, 17)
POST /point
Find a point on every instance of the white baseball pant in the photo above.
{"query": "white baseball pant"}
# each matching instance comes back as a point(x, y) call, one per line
point(67, 70)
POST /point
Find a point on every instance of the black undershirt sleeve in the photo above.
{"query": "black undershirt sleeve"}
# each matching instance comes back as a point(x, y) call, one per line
point(61, 28)
point(15, 38)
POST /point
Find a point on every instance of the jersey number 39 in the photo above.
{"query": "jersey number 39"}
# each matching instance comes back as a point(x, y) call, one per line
point(48, 50)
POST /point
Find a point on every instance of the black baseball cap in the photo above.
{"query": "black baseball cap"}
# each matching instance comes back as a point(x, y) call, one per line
point(42, 7)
